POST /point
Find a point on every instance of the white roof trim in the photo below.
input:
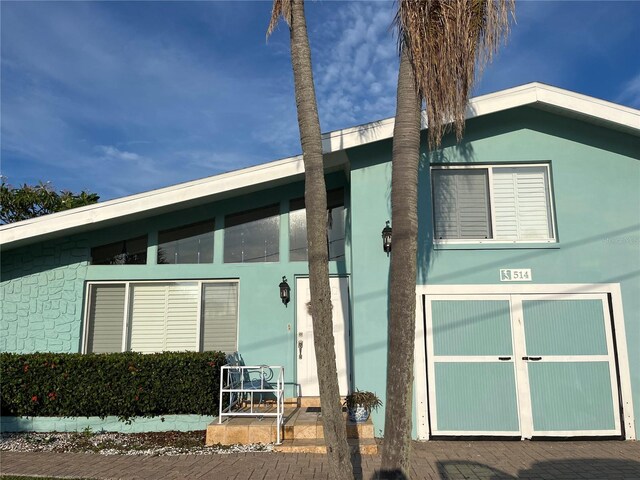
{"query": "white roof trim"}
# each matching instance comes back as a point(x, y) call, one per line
point(530, 93)
point(210, 187)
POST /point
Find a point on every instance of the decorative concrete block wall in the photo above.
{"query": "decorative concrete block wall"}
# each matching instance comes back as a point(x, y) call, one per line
point(41, 293)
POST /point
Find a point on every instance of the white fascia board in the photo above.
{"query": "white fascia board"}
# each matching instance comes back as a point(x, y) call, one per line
point(502, 100)
point(122, 207)
point(332, 142)
point(529, 94)
point(356, 136)
point(546, 95)
point(600, 110)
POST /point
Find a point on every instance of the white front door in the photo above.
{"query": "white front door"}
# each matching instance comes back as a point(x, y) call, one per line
point(305, 351)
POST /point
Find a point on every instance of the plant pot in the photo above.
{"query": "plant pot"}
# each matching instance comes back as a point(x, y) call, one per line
point(359, 414)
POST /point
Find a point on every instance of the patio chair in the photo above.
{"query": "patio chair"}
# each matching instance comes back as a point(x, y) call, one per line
point(248, 379)
point(242, 382)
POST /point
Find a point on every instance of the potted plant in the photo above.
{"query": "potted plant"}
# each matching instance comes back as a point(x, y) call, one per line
point(359, 405)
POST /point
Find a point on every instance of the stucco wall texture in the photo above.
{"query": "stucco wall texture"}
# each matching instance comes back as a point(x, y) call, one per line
point(41, 292)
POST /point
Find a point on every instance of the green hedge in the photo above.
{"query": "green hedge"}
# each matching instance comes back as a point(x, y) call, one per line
point(122, 384)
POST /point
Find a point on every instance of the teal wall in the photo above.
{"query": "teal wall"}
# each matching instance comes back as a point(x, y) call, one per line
point(44, 285)
point(595, 174)
point(370, 209)
point(41, 294)
point(167, 423)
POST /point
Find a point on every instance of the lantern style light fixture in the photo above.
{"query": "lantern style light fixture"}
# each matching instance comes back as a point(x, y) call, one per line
point(386, 239)
point(285, 291)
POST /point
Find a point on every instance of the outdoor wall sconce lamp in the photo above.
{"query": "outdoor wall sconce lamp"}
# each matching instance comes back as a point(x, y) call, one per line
point(386, 239)
point(285, 291)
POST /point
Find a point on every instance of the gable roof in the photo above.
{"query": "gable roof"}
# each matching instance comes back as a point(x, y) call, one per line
point(334, 144)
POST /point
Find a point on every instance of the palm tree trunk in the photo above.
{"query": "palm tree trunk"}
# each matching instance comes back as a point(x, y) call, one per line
point(402, 293)
point(335, 433)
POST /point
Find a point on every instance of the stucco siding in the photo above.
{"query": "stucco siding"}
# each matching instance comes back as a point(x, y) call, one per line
point(595, 178)
point(44, 285)
point(41, 295)
point(595, 190)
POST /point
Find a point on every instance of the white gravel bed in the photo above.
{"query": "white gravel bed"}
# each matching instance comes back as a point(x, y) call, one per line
point(112, 444)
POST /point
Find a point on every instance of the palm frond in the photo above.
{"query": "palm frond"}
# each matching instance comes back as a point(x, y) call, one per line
point(448, 42)
point(281, 8)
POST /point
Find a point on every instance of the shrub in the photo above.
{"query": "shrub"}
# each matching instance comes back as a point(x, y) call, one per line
point(122, 384)
point(368, 400)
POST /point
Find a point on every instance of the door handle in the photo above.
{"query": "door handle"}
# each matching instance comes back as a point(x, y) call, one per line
point(504, 359)
point(300, 343)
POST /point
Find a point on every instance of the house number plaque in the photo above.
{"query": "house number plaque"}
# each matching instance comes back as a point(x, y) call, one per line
point(515, 274)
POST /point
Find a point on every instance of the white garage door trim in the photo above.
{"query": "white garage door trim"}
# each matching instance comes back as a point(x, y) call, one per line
point(420, 363)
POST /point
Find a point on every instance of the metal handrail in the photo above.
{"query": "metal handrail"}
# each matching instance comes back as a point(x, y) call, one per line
point(236, 381)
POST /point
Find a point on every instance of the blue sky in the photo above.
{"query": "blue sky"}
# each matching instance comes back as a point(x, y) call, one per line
point(119, 98)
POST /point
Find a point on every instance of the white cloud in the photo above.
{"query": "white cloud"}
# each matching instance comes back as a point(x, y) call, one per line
point(206, 95)
point(355, 65)
point(109, 151)
point(630, 94)
point(75, 75)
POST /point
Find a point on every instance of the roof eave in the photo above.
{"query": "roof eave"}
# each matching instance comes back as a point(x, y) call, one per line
point(334, 144)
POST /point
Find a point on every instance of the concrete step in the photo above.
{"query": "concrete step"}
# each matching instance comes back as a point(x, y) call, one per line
point(305, 428)
point(308, 402)
point(238, 431)
point(365, 446)
point(299, 424)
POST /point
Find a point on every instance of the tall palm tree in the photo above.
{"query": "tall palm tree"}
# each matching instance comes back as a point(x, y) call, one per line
point(441, 44)
point(316, 205)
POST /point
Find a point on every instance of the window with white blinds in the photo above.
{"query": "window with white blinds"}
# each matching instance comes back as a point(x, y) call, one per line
point(463, 198)
point(162, 316)
point(106, 314)
point(492, 203)
point(220, 317)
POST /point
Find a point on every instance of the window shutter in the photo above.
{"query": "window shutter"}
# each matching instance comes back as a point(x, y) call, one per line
point(106, 316)
point(220, 317)
point(164, 318)
point(182, 317)
point(461, 204)
point(521, 203)
point(148, 311)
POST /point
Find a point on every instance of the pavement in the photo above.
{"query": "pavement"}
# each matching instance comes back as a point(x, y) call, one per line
point(434, 460)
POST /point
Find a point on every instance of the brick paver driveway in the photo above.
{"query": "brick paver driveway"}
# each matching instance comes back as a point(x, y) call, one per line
point(442, 460)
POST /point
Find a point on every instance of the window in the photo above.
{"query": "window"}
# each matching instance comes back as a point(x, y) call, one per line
point(220, 317)
point(335, 227)
point(132, 251)
point(162, 316)
point(252, 236)
point(188, 244)
point(492, 203)
point(106, 307)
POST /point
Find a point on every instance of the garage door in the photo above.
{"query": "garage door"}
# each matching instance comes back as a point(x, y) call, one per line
point(521, 365)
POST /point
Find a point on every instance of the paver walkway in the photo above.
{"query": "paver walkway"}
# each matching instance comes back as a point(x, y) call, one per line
point(441, 460)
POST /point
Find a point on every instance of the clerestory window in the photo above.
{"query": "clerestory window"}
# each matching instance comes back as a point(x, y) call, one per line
point(187, 244)
point(132, 251)
point(252, 236)
point(298, 250)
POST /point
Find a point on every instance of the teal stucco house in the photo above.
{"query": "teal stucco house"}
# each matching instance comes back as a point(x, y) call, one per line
point(528, 287)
